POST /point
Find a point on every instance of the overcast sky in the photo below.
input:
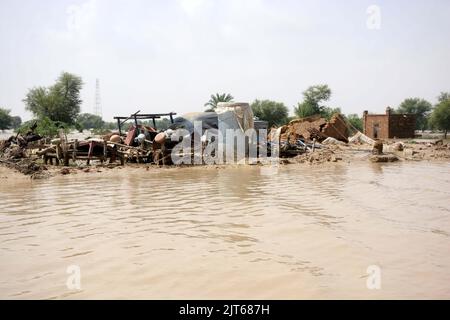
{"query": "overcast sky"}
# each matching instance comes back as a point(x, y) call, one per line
point(161, 56)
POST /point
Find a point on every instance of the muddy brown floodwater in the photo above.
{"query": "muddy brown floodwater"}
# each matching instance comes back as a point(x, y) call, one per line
point(240, 232)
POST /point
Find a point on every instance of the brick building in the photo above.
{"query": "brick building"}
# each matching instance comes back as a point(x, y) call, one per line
point(389, 125)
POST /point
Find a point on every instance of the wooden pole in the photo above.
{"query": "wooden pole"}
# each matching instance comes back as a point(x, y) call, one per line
point(105, 150)
point(91, 149)
point(120, 127)
point(74, 151)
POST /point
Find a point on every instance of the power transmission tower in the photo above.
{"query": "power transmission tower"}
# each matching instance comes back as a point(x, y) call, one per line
point(98, 106)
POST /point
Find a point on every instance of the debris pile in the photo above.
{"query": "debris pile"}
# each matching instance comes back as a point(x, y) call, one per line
point(15, 156)
point(318, 157)
point(361, 138)
point(312, 140)
point(332, 141)
point(29, 167)
point(303, 136)
point(315, 127)
point(12, 152)
point(377, 148)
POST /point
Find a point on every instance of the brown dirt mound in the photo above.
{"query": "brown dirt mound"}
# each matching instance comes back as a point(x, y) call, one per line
point(317, 157)
point(315, 127)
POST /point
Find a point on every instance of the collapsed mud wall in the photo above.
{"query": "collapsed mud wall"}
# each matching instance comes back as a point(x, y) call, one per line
point(336, 128)
point(315, 127)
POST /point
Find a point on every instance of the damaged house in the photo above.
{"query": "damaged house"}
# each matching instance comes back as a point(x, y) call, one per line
point(389, 126)
point(315, 128)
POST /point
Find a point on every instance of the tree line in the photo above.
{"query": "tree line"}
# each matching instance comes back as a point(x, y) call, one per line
point(58, 106)
point(7, 121)
point(314, 97)
point(55, 107)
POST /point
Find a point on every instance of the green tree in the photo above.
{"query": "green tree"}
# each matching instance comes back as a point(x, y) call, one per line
point(304, 110)
point(275, 113)
point(328, 112)
point(443, 96)
point(316, 94)
point(420, 107)
point(45, 127)
point(440, 118)
point(312, 101)
point(16, 122)
point(162, 124)
point(90, 121)
point(216, 98)
point(110, 126)
point(60, 102)
point(355, 121)
point(5, 119)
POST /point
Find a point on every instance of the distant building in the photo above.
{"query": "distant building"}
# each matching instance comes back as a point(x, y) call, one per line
point(389, 125)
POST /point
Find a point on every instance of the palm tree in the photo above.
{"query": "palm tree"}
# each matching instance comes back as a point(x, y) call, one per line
point(216, 98)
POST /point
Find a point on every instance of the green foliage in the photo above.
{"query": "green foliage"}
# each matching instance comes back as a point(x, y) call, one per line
point(355, 121)
point(316, 94)
point(78, 127)
point(440, 118)
point(443, 96)
point(110, 126)
point(328, 112)
point(216, 98)
point(161, 124)
point(16, 121)
point(418, 106)
point(45, 127)
point(5, 119)
point(60, 102)
point(304, 110)
point(276, 113)
point(90, 121)
point(312, 99)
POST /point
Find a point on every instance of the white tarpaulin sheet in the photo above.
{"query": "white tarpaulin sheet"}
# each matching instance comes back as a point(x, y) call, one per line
point(239, 118)
point(235, 115)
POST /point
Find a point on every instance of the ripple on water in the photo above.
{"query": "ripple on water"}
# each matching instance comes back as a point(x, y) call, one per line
point(195, 228)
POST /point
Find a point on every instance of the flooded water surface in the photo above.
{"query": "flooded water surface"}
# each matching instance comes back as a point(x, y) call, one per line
point(240, 232)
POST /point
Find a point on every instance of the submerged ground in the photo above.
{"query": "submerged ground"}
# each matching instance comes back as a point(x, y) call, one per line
point(239, 232)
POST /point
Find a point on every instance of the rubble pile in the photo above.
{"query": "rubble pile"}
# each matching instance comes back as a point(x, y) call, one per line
point(336, 128)
point(318, 157)
point(307, 128)
point(311, 140)
point(11, 151)
point(303, 136)
point(13, 154)
point(317, 128)
point(427, 150)
point(15, 157)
